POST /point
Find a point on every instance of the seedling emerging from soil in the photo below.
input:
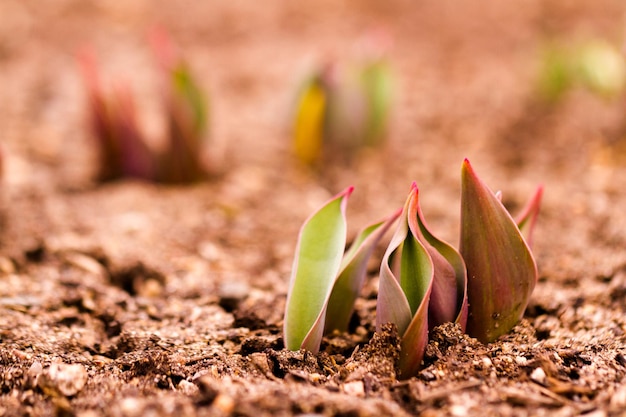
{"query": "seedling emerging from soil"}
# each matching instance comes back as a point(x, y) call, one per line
point(424, 282)
point(187, 110)
point(500, 266)
point(325, 281)
point(340, 110)
point(123, 147)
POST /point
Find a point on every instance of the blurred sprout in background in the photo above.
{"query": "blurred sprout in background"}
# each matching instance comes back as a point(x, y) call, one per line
point(344, 106)
point(124, 150)
point(595, 65)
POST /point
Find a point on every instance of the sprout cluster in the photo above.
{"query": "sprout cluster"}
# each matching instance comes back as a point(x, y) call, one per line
point(123, 147)
point(424, 282)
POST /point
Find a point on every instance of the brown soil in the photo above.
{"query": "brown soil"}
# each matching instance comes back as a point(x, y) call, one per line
point(130, 299)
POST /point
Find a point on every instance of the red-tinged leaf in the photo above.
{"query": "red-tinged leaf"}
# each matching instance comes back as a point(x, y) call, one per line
point(404, 300)
point(316, 265)
point(400, 296)
point(528, 217)
point(414, 341)
point(501, 269)
point(352, 274)
point(392, 305)
point(136, 158)
point(101, 117)
point(448, 299)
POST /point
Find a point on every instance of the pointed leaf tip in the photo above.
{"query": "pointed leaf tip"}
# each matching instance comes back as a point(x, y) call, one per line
point(528, 217)
point(405, 287)
point(501, 269)
point(317, 262)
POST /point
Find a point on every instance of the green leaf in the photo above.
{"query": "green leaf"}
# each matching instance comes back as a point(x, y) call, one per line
point(191, 95)
point(500, 266)
point(352, 274)
point(404, 300)
point(414, 341)
point(377, 84)
point(316, 265)
point(556, 74)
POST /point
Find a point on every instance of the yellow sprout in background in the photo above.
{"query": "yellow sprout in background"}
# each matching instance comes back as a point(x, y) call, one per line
point(309, 126)
point(344, 106)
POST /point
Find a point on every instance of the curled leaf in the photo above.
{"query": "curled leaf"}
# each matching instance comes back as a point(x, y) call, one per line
point(403, 300)
point(317, 262)
point(352, 274)
point(448, 300)
point(500, 266)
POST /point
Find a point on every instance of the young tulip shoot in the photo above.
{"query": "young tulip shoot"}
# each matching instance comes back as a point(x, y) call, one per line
point(186, 109)
point(500, 266)
point(123, 146)
point(123, 149)
point(341, 109)
point(308, 130)
point(324, 281)
point(424, 282)
point(424, 289)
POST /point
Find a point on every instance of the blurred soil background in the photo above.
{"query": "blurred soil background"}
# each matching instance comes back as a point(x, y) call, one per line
point(129, 298)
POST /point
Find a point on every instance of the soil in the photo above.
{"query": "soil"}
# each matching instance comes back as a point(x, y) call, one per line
point(132, 299)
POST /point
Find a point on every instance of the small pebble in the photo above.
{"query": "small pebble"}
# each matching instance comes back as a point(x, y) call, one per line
point(188, 388)
point(224, 403)
point(259, 360)
point(458, 410)
point(355, 388)
point(6, 265)
point(66, 379)
point(131, 406)
point(520, 360)
point(538, 375)
point(33, 374)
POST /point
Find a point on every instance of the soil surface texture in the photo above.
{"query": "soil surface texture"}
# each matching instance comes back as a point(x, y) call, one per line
point(134, 299)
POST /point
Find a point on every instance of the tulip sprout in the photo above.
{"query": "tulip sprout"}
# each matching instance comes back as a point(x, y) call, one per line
point(424, 282)
point(425, 288)
point(325, 282)
point(123, 148)
point(341, 109)
point(500, 266)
